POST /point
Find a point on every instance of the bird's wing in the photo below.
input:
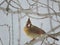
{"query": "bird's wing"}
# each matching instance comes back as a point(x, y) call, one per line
point(36, 30)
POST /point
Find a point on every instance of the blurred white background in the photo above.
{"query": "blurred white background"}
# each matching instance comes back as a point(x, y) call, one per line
point(15, 15)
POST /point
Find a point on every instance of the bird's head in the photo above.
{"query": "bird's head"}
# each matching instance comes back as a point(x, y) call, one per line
point(28, 24)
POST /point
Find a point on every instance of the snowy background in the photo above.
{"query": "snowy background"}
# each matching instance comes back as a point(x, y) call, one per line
point(13, 20)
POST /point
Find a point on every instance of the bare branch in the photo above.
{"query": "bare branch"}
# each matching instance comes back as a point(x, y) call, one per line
point(2, 2)
point(1, 41)
point(12, 5)
point(54, 29)
point(56, 34)
point(36, 40)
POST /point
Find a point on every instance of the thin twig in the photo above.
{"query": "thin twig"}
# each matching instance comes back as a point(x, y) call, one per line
point(54, 29)
point(19, 26)
point(9, 33)
point(1, 41)
point(42, 41)
point(12, 29)
point(7, 8)
point(2, 2)
point(12, 6)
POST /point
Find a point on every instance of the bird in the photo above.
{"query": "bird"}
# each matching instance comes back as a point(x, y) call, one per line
point(34, 31)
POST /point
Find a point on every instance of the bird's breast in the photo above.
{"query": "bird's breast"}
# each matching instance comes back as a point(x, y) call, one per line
point(29, 33)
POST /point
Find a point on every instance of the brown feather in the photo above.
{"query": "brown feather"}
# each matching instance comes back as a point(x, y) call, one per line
point(36, 30)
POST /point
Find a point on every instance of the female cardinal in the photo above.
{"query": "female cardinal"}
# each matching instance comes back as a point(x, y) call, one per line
point(34, 31)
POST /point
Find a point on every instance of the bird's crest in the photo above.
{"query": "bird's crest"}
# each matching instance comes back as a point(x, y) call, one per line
point(28, 23)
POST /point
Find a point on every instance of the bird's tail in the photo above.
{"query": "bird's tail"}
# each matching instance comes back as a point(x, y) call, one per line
point(53, 37)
